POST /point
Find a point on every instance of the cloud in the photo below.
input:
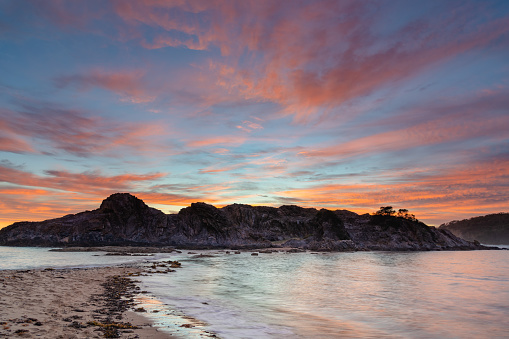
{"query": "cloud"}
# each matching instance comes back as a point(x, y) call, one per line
point(169, 41)
point(221, 140)
point(310, 58)
point(42, 127)
point(330, 65)
point(219, 169)
point(306, 57)
point(128, 84)
point(446, 124)
point(59, 192)
point(35, 204)
point(85, 183)
point(13, 144)
point(249, 126)
point(435, 196)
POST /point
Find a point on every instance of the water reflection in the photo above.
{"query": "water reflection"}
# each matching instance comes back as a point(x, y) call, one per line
point(361, 294)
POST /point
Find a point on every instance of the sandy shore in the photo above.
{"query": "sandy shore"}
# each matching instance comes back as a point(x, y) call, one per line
point(72, 303)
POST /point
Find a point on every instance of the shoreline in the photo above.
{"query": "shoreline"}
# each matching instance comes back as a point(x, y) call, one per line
point(93, 302)
point(60, 303)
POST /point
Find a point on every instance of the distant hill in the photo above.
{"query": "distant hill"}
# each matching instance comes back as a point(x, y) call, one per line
point(123, 219)
point(489, 229)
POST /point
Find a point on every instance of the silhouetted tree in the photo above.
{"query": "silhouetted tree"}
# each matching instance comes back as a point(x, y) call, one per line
point(403, 213)
point(385, 210)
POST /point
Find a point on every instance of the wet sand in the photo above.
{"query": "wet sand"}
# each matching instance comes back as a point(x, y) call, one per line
point(72, 303)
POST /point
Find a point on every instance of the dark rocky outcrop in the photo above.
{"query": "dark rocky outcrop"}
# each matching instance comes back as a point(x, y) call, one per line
point(391, 233)
point(123, 219)
point(488, 229)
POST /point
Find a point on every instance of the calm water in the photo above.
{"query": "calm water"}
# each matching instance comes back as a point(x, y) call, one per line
point(304, 295)
point(36, 257)
point(362, 294)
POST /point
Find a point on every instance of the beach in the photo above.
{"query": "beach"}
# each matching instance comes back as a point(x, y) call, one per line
point(72, 303)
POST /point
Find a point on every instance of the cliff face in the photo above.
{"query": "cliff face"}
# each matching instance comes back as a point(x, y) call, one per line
point(488, 229)
point(123, 219)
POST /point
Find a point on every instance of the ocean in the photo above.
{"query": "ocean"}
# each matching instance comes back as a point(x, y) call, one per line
point(459, 294)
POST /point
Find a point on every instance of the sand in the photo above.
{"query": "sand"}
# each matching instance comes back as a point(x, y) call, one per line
point(70, 303)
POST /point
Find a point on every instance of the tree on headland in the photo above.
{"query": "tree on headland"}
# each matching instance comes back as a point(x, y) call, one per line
point(403, 213)
point(388, 211)
point(387, 217)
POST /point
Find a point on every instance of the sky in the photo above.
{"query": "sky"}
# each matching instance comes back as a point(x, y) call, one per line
point(327, 104)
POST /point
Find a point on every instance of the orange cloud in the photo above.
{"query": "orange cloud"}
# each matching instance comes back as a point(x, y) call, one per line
point(65, 193)
point(434, 197)
point(219, 169)
point(27, 196)
point(35, 204)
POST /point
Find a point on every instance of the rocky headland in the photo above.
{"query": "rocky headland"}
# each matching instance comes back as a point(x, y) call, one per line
point(488, 229)
point(124, 220)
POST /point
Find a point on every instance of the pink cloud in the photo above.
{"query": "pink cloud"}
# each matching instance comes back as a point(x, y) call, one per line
point(221, 140)
point(248, 126)
point(88, 182)
point(219, 169)
point(14, 144)
point(310, 57)
point(355, 73)
point(475, 117)
point(128, 84)
point(72, 131)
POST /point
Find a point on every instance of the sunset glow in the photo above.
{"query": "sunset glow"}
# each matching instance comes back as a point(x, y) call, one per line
point(335, 104)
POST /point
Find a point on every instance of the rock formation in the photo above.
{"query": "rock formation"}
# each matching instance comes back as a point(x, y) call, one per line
point(488, 229)
point(123, 219)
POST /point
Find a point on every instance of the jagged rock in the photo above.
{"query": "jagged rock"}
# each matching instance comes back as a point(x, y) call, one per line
point(390, 233)
point(123, 219)
point(205, 225)
point(328, 225)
